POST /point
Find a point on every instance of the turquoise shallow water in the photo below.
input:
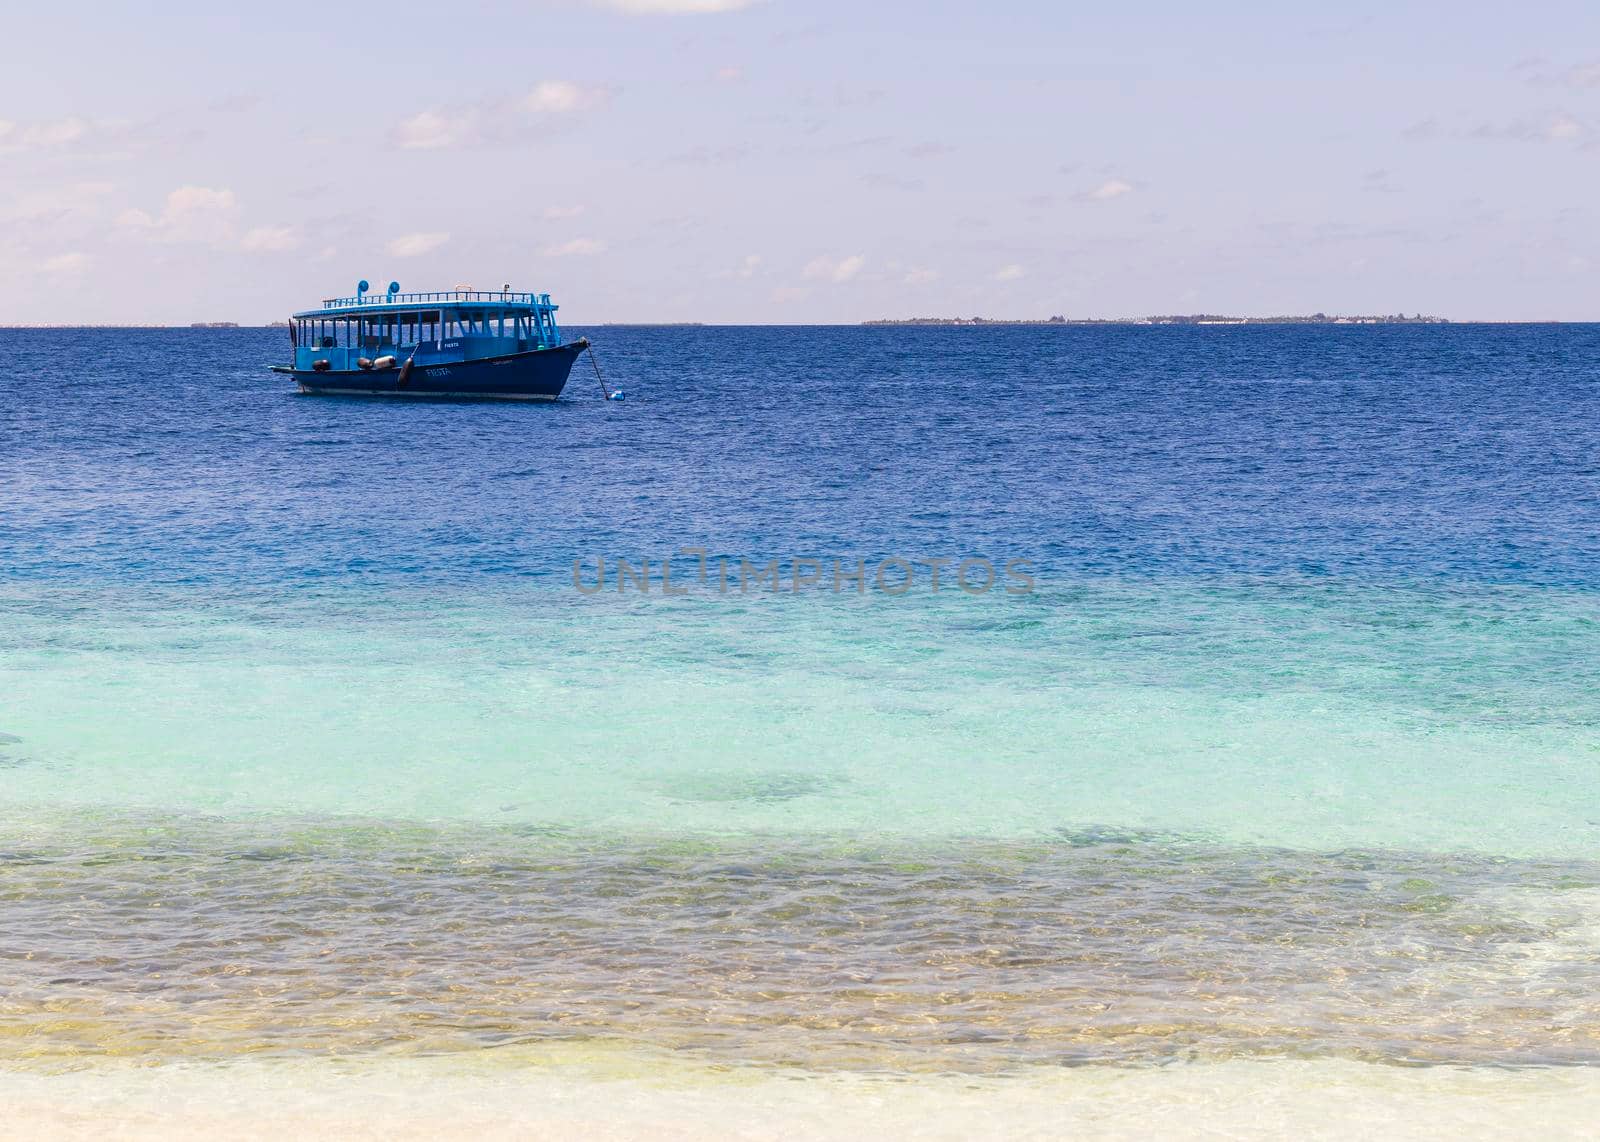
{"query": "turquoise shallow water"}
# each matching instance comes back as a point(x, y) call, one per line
point(311, 746)
point(1304, 715)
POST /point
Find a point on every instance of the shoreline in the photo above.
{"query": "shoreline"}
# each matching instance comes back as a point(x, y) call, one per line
point(624, 1095)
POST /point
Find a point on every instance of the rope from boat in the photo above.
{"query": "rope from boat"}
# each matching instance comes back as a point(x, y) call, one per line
point(589, 348)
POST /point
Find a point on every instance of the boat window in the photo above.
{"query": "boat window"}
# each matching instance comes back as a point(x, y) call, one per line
point(374, 332)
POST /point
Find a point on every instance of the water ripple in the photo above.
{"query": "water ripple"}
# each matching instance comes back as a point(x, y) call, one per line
point(203, 939)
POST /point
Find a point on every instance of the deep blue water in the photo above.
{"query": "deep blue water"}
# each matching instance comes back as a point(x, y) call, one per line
point(1458, 453)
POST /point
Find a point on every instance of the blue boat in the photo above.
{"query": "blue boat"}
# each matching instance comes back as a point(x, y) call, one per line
point(456, 343)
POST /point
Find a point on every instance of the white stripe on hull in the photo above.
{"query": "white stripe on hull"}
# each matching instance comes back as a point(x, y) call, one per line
point(424, 393)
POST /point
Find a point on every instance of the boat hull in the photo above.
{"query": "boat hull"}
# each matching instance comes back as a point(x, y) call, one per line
point(539, 374)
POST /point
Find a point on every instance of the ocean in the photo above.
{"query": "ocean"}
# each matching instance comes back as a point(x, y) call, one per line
point(1248, 747)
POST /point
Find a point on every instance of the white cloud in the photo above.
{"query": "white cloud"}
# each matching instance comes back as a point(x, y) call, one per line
point(729, 74)
point(427, 130)
point(1009, 273)
point(578, 247)
point(556, 213)
point(1564, 128)
point(676, 6)
point(415, 245)
point(748, 267)
point(82, 200)
point(188, 201)
point(920, 277)
point(66, 263)
point(836, 270)
point(562, 97)
point(191, 214)
point(496, 120)
point(1106, 191)
point(270, 240)
point(42, 135)
point(1558, 128)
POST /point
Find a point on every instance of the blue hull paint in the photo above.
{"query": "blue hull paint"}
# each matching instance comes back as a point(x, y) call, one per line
point(539, 374)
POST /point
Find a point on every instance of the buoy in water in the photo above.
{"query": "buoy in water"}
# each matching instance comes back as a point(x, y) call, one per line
point(618, 395)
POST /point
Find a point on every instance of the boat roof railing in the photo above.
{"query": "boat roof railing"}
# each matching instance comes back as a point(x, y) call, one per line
point(366, 301)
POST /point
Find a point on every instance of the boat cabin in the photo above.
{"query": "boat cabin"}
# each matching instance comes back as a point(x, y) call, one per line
point(437, 328)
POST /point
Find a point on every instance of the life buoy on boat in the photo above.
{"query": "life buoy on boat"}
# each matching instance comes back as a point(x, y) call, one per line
point(321, 365)
point(383, 363)
point(363, 363)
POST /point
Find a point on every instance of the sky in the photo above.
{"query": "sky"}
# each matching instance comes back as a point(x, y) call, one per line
point(778, 161)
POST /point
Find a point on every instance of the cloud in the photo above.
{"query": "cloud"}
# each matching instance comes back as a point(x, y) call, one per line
point(270, 240)
point(415, 245)
point(1009, 273)
point(43, 135)
point(429, 129)
point(920, 277)
point(706, 156)
point(893, 181)
point(188, 200)
point(1423, 130)
point(1106, 191)
point(1541, 72)
point(65, 263)
point(561, 97)
point(1544, 127)
point(555, 213)
point(1378, 182)
point(1584, 75)
point(746, 269)
point(232, 104)
point(1564, 128)
point(728, 74)
point(1556, 128)
point(835, 270)
point(578, 247)
point(82, 200)
point(498, 120)
point(190, 214)
point(675, 6)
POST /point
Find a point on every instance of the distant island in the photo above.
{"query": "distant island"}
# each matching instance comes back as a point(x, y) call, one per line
point(1174, 319)
point(213, 325)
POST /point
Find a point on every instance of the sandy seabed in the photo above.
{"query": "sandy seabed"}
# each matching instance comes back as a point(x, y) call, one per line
point(624, 1096)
